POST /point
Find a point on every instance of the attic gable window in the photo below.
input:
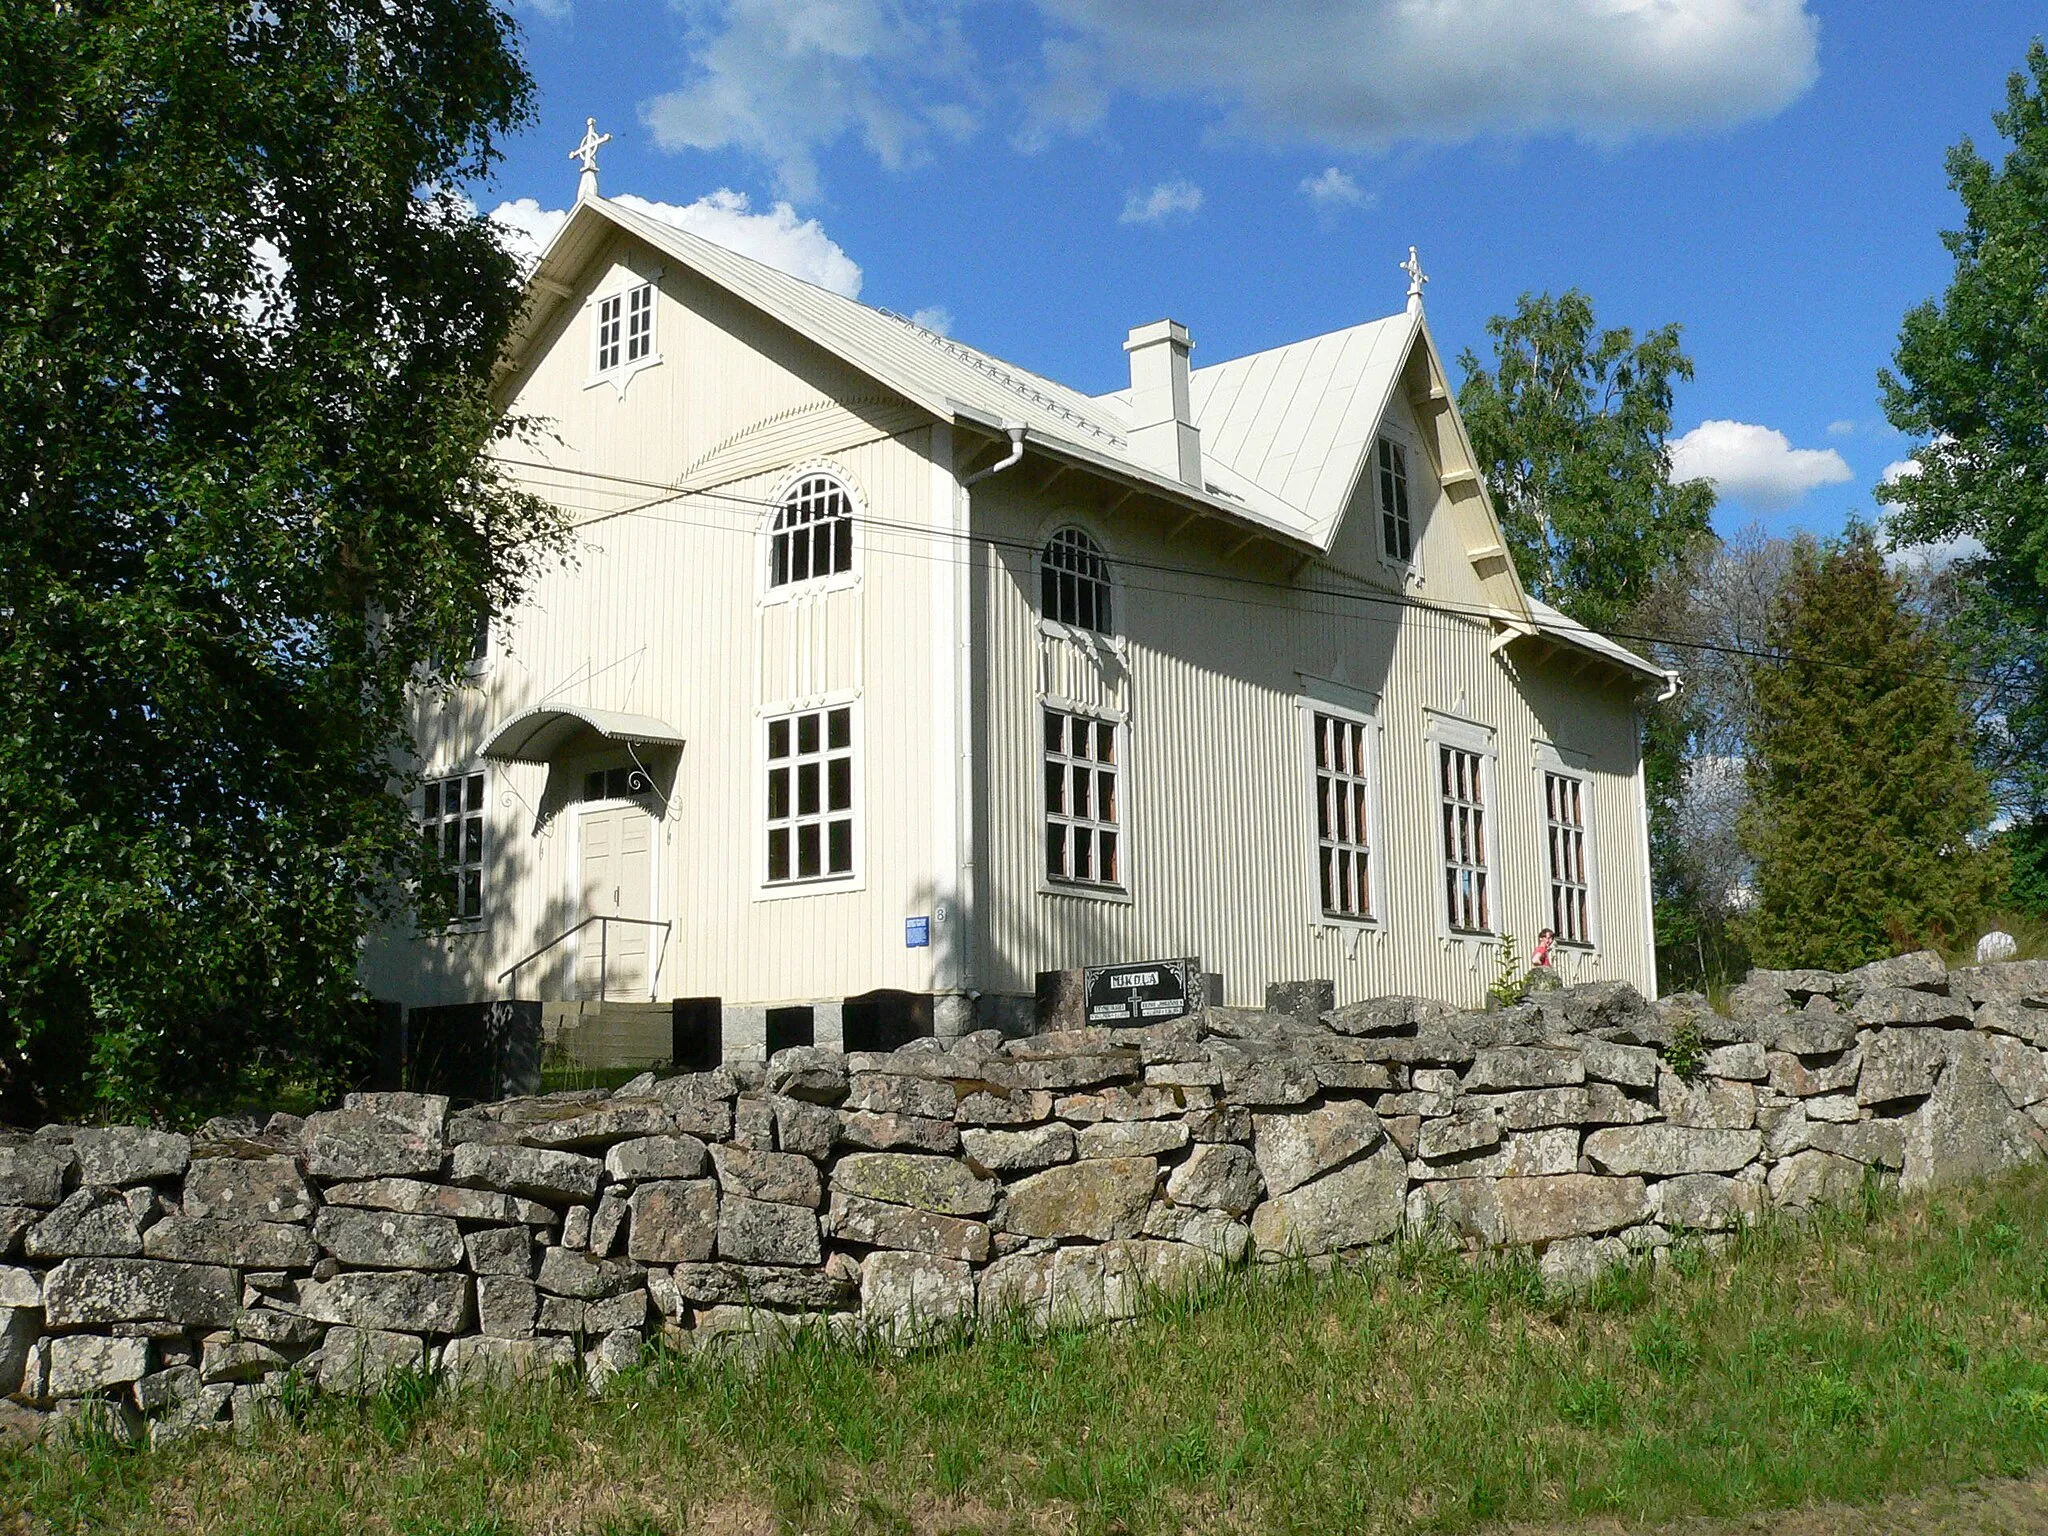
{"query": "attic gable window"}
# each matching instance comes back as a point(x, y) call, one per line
point(1074, 580)
point(625, 328)
point(1397, 537)
point(813, 533)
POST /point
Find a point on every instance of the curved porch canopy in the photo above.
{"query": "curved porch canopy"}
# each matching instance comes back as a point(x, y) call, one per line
point(539, 735)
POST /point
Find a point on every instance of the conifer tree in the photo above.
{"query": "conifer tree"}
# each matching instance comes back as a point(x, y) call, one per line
point(1868, 809)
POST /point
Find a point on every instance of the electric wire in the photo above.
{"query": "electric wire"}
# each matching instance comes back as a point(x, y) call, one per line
point(1469, 613)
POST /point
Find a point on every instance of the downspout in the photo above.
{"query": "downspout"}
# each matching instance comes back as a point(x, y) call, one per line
point(965, 900)
point(1672, 684)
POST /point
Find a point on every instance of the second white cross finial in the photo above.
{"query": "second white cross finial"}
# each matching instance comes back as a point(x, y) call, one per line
point(1416, 278)
point(586, 152)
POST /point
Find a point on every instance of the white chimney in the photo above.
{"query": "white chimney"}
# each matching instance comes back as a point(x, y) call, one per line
point(1163, 432)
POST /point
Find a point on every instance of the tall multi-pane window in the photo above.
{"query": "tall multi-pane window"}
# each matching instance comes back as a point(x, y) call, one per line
point(813, 535)
point(810, 795)
point(1397, 537)
point(1342, 825)
point(640, 323)
point(1570, 891)
point(1074, 581)
point(608, 332)
point(452, 822)
point(1083, 830)
point(625, 327)
point(1462, 785)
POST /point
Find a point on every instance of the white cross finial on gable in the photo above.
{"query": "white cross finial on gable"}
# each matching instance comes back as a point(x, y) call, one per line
point(593, 141)
point(1416, 278)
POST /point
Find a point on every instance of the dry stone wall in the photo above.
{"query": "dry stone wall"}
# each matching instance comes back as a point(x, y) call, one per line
point(185, 1281)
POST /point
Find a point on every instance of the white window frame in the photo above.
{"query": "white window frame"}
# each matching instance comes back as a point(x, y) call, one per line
point(757, 831)
point(1048, 623)
point(1478, 740)
point(1407, 451)
point(812, 586)
point(1120, 892)
point(620, 373)
point(440, 778)
point(1553, 760)
point(1320, 696)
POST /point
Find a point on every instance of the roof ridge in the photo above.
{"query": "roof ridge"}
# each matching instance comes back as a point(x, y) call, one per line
point(992, 367)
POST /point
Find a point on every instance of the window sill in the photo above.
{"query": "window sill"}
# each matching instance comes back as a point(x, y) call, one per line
point(1114, 895)
point(811, 587)
point(622, 375)
point(824, 885)
point(1087, 639)
point(1347, 920)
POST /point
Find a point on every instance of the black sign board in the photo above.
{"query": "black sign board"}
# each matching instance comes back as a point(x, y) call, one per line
point(1150, 992)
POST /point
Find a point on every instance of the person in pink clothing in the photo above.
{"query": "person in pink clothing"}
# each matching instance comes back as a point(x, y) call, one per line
point(1540, 958)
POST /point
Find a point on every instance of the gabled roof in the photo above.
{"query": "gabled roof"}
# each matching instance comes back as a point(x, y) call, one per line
point(1285, 432)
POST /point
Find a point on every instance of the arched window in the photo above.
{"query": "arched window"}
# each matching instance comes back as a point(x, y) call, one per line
point(1076, 581)
point(813, 532)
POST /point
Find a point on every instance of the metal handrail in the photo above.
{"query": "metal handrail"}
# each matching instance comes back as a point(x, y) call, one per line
point(604, 950)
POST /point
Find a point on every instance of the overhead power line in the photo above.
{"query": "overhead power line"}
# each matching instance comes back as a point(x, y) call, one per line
point(1465, 612)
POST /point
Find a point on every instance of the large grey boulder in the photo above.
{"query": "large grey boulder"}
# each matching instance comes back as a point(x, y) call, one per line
point(989, 1107)
point(1456, 1135)
point(377, 1135)
point(85, 1364)
point(404, 1300)
point(1814, 1177)
point(1538, 1208)
point(359, 1362)
point(1132, 1138)
point(1894, 1006)
point(1357, 1204)
point(2016, 981)
point(1821, 1028)
point(85, 1293)
point(1672, 1149)
point(1018, 1151)
point(582, 1277)
point(890, 1094)
point(389, 1239)
point(914, 1297)
point(1261, 1075)
point(228, 1240)
point(1924, 970)
point(1630, 1066)
point(1900, 1064)
point(416, 1197)
point(1591, 1103)
point(32, 1174)
point(1967, 1130)
point(248, 1188)
point(506, 1305)
point(1524, 1066)
point(805, 1128)
point(1802, 984)
point(754, 1285)
point(1291, 1149)
point(807, 1073)
point(1805, 1078)
point(1521, 1154)
point(939, 1184)
point(500, 1251)
point(481, 1361)
point(1138, 1101)
point(2019, 1068)
point(888, 1132)
point(673, 1221)
point(92, 1221)
point(594, 1127)
point(767, 1232)
point(1385, 1016)
point(2022, 1021)
point(1707, 1202)
point(119, 1155)
point(781, 1177)
point(1099, 1198)
point(1217, 1177)
point(535, 1172)
point(1709, 1104)
point(873, 1224)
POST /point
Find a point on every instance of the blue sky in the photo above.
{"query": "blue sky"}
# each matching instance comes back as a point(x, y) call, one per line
point(1040, 175)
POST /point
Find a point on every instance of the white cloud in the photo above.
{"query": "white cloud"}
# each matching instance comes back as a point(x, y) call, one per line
point(1935, 556)
point(1898, 469)
point(1169, 199)
point(1757, 466)
point(934, 317)
point(785, 79)
point(548, 10)
point(778, 237)
point(782, 79)
point(1843, 428)
point(1333, 189)
point(1364, 74)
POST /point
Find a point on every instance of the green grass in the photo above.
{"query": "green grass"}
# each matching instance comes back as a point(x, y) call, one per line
point(1877, 1351)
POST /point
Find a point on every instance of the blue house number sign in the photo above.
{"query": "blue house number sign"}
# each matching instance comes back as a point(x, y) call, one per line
point(917, 933)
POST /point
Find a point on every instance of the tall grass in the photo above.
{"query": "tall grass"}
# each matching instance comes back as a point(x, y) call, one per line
point(1875, 1350)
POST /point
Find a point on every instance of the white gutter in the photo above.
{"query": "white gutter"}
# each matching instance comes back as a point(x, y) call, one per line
point(1016, 429)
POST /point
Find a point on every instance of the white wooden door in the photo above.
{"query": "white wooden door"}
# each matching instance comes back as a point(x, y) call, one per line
point(618, 881)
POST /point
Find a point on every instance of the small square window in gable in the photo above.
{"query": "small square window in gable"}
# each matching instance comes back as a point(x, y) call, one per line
point(623, 334)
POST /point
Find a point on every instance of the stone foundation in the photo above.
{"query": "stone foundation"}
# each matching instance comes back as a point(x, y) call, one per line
point(182, 1280)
